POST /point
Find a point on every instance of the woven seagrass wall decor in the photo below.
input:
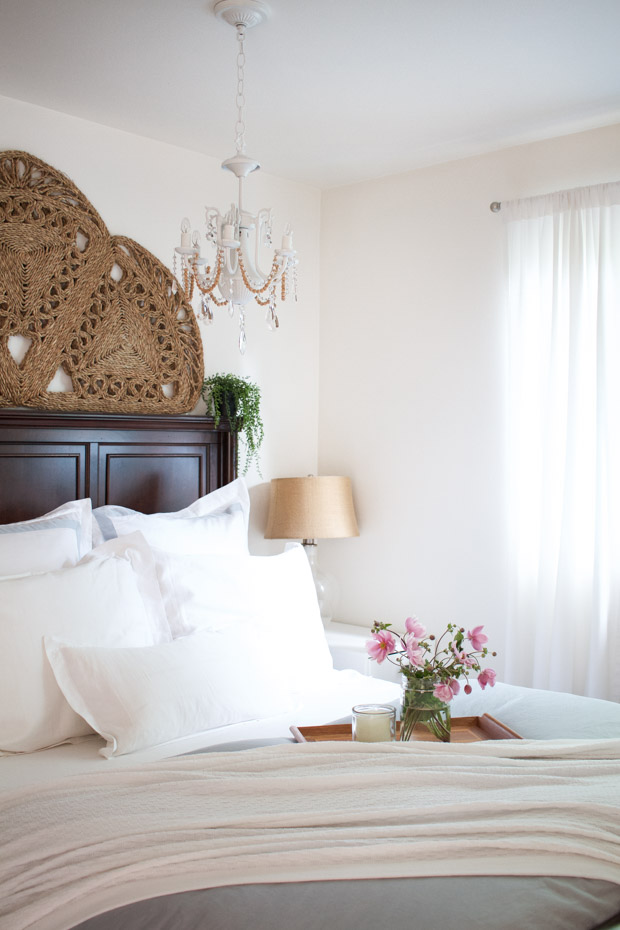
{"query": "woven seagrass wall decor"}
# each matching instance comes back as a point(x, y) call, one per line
point(95, 312)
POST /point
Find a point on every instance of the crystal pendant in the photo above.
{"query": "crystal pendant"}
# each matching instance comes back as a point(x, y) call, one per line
point(270, 317)
point(207, 313)
point(242, 338)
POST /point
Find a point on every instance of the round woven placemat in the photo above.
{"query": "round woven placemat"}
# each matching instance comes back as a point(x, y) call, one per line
point(98, 310)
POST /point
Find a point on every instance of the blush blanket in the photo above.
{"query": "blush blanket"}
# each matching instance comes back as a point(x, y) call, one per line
point(308, 812)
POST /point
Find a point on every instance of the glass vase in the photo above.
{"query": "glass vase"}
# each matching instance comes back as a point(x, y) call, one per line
point(422, 715)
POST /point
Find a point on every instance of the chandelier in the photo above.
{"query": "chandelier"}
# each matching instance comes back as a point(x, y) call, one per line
point(232, 277)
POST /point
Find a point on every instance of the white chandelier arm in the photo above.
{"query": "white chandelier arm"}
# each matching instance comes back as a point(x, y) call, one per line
point(207, 289)
point(277, 269)
point(262, 221)
point(203, 282)
point(214, 221)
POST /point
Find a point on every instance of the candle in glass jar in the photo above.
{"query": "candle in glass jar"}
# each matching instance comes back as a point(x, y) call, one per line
point(373, 723)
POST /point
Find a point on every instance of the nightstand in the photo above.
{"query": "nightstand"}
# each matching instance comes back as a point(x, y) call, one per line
point(347, 644)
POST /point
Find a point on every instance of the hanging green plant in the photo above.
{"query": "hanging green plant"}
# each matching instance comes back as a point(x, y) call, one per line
point(237, 399)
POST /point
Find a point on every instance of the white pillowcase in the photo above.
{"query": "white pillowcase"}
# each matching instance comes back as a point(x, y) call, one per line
point(136, 698)
point(274, 596)
point(54, 540)
point(111, 598)
point(217, 522)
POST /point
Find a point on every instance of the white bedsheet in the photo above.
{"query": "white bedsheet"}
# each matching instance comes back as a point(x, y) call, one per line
point(534, 714)
point(331, 700)
point(312, 812)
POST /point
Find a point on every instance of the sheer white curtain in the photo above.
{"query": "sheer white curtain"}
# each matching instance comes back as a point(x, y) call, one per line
point(564, 440)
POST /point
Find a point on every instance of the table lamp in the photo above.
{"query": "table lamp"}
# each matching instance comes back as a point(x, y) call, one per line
point(316, 507)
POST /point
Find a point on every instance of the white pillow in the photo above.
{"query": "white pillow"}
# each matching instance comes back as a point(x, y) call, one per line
point(54, 540)
point(137, 698)
point(111, 598)
point(217, 522)
point(273, 595)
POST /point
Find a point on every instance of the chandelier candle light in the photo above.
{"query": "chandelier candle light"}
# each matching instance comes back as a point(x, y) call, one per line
point(234, 278)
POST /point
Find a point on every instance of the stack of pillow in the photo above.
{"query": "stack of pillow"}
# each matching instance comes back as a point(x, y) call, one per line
point(147, 628)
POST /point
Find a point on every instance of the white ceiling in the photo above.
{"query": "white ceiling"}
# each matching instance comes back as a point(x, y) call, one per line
point(337, 90)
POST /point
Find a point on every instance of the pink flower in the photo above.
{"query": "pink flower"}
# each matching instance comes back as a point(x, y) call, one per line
point(414, 653)
point(413, 626)
point(486, 677)
point(462, 657)
point(467, 689)
point(380, 645)
point(446, 690)
point(477, 638)
point(443, 692)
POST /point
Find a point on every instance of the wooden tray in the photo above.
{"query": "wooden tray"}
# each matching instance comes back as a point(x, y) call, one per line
point(464, 730)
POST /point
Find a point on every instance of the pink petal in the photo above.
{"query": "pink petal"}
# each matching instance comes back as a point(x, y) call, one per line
point(413, 626)
point(443, 692)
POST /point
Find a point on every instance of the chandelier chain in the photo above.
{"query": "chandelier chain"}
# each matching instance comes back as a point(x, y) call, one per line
point(240, 98)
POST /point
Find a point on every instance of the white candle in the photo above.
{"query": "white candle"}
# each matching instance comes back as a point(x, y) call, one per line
point(228, 232)
point(186, 231)
point(373, 723)
point(287, 242)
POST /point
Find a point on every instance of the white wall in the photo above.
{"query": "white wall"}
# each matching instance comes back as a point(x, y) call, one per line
point(410, 361)
point(142, 189)
point(412, 378)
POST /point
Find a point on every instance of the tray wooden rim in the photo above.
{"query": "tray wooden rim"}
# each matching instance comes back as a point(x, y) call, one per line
point(493, 729)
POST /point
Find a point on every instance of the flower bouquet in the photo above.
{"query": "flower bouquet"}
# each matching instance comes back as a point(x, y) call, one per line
point(431, 668)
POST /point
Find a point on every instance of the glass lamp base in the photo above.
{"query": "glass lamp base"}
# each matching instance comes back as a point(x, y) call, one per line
point(325, 584)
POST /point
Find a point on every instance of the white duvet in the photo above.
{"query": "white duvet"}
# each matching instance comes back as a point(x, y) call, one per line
point(85, 844)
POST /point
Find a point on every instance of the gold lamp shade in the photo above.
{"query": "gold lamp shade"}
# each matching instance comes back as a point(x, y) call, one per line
point(311, 508)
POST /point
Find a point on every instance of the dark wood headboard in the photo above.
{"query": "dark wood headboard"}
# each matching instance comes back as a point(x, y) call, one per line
point(149, 463)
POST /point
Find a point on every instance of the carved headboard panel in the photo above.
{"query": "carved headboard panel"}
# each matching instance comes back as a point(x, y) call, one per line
point(151, 464)
point(95, 313)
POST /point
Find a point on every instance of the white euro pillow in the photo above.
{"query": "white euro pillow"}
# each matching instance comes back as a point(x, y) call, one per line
point(274, 595)
point(216, 523)
point(110, 598)
point(137, 698)
point(54, 540)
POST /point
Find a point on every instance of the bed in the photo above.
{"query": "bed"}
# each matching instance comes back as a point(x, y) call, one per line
point(195, 811)
point(151, 668)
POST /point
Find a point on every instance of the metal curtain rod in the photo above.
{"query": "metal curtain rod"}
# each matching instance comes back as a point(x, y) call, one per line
point(495, 207)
